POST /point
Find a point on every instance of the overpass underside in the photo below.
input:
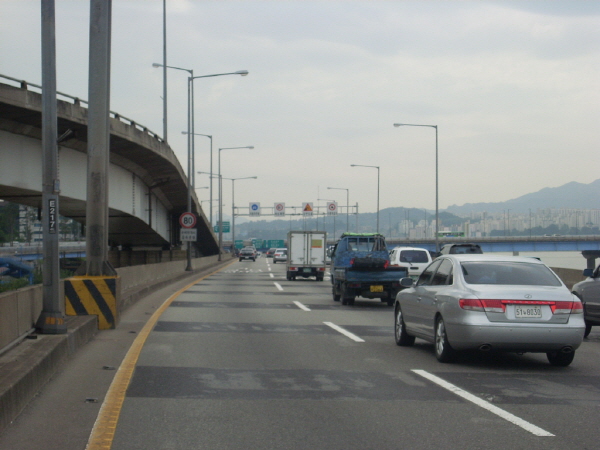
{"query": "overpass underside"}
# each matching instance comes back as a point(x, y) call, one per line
point(147, 186)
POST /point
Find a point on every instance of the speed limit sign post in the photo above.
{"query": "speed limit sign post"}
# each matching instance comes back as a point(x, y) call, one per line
point(332, 208)
point(187, 220)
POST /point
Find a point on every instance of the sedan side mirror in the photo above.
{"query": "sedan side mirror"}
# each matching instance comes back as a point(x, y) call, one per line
point(406, 282)
point(588, 273)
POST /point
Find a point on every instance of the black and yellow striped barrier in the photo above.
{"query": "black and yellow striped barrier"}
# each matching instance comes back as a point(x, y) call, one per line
point(85, 295)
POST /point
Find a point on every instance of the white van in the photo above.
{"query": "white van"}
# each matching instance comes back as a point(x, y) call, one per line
point(413, 258)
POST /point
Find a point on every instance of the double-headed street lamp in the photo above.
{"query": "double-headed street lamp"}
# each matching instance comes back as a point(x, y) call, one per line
point(347, 205)
point(221, 197)
point(233, 206)
point(374, 167)
point(190, 134)
point(437, 219)
point(211, 170)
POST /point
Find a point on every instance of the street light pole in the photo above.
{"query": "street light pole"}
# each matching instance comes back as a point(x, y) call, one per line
point(437, 217)
point(191, 79)
point(374, 167)
point(190, 120)
point(165, 70)
point(347, 206)
point(221, 198)
point(190, 132)
point(211, 169)
point(233, 206)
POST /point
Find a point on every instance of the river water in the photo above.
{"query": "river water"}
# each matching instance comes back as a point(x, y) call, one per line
point(565, 260)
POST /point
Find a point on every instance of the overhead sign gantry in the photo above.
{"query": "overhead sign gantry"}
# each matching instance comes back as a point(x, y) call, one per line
point(308, 209)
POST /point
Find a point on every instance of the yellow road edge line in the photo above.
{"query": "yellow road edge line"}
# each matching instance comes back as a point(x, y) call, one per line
point(104, 429)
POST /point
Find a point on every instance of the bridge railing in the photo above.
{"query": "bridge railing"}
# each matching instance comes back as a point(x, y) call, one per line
point(79, 102)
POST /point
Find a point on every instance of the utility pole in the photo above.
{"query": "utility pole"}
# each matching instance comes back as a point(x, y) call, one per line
point(95, 288)
point(51, 320)
point(98, 140)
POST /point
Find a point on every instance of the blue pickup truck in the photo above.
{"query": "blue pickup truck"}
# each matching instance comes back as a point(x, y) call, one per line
point(360, 267)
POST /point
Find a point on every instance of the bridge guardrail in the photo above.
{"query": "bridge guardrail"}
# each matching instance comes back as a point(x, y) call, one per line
point(77, 101)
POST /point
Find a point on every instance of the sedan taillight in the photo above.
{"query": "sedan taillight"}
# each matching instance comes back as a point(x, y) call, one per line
point(475, 304)
point(567, 308)
point(470, 304)
point(488, 305)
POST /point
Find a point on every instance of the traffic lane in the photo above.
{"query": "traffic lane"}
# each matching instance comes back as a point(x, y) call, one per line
point(518, 388)
point(364, 407)
point(317, 368)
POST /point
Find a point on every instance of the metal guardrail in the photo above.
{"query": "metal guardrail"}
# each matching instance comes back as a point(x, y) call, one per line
point(77, 101)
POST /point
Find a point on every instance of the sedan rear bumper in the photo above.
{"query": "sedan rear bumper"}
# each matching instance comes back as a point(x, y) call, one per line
point(518, 338)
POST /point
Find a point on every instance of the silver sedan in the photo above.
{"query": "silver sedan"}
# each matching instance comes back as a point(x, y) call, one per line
point(507, 303)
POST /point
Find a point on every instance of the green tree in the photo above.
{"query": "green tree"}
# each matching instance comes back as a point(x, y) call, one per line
point(9, 222)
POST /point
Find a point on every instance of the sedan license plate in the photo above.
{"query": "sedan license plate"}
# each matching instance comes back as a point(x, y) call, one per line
point(307, 269)
point(528, 312)
point(377, 288)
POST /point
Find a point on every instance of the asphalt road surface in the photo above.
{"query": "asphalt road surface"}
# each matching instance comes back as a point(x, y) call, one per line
point(244, 359)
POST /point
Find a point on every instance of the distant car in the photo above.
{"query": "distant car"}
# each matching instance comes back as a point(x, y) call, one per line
point(271, 252)
point(414, 259)
point(461, 249)
point(504, 303)
point(280, 255)
point(588, 291)
point(247, 253)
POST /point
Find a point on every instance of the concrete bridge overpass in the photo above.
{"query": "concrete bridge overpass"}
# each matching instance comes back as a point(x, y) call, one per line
point(147, 185)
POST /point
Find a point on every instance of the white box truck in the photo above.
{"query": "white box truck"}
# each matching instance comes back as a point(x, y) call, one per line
point(306, 254)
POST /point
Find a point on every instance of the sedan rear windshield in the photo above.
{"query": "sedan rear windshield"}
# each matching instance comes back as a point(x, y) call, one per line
point(508, 273)
point(413, 256)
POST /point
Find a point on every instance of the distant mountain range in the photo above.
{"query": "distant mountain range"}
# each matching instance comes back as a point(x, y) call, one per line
point(571, 196)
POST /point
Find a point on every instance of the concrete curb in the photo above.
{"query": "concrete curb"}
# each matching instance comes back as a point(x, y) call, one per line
point(25, 369)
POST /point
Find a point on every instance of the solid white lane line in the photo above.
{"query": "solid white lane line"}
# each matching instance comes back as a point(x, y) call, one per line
point(301, 306)
point(344, 332)
point(485, 405)
point(278, 286)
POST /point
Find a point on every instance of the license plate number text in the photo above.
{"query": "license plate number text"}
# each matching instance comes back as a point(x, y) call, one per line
point(528, 312)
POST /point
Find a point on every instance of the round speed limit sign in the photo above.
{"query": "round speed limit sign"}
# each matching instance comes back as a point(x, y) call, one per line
point(187, 220)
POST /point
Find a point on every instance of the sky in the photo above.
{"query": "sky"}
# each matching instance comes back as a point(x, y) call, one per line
point(512, 86)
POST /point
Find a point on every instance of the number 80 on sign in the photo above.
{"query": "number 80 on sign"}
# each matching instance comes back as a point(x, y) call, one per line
point(187, 220)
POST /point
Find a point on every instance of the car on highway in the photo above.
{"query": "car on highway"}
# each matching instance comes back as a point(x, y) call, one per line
point(490, 303)
point(414, 259)
point(461, 249)
point(280, 255)
point(588, 291)
point(270, 252)
point(247, 253)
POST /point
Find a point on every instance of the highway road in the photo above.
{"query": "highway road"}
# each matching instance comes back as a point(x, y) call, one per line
point(244, 359)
